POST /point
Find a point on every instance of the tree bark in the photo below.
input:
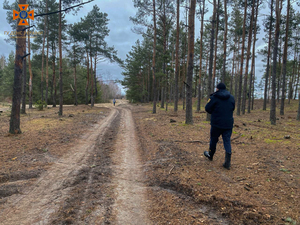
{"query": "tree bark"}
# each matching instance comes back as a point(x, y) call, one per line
point(47, 57)
point(24, 74)
point(87, 79)
point(268, 60)
point(247, 61)
point(297, 84)
point(275, 51)
point(200, 63)
point(298, 114)
point(177, 60)
point(283, 93)
point(149, 90)
point(30, 74)
point(153, 59)
point(233, 67)
point(95, 76)
point(242, 62)
point(43, 59)
point(216, 48)
point(253, 58)
point(14, 125)
point(211, 56)
point(75, 87)
point(189, 81)
point(92, 83)
point(225, 42)
point(54, 75)
point(60, 112)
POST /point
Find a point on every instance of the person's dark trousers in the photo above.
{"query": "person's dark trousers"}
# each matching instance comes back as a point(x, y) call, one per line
point(214, 138)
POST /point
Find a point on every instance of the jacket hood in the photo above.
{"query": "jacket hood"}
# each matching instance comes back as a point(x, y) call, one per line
point(222, 94)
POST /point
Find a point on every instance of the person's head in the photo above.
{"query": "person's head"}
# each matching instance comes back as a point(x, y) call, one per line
point(221, 86)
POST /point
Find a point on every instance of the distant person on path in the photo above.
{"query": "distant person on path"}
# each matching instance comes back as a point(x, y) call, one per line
point(114, 101)
point(220, 105)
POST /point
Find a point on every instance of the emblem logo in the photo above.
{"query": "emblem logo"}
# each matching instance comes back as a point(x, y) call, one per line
point(23, 15)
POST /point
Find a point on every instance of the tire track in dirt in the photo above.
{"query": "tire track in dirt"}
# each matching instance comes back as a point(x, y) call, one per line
point(130, 205)
point(37, 204)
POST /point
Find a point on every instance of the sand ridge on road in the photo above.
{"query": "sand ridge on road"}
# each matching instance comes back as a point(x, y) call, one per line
point(130, 205)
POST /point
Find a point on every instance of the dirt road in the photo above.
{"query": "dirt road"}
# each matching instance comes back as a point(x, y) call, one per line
point(101, 181)
point(67, 191)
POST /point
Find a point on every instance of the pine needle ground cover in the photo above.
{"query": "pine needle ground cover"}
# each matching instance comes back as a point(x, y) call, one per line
point(262, 185)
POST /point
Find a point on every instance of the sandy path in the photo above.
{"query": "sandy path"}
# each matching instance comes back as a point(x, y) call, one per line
point(40, 203)
point(36, 204)
point(130, 204)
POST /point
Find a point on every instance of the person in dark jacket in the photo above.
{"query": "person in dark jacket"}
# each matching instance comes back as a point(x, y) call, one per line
point(220, 105)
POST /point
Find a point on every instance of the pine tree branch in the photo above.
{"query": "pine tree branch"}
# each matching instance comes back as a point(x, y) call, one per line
point(25, 55)
point(28, 27)
point(45, 14)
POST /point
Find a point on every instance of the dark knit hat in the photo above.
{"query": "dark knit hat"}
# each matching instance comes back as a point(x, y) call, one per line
point(221, 86)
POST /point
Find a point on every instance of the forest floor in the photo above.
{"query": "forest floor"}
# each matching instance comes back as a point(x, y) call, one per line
point(125, 165)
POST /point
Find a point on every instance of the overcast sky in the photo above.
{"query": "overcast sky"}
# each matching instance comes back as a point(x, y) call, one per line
point(120, 36)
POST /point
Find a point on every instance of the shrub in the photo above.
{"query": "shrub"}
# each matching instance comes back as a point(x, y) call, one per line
point(40, 105)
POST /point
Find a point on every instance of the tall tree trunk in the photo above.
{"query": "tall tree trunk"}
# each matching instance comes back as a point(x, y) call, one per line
point(253, 89)
point(54, 75)
point(43, 59)
point(95, 77)
point(237, 70)
point(297, 84)
point(216, 47)
point(153, 59)
point(177, 60)
point(162, 103)
point(75, 87)
point(60, 112)
point(24, 75)
point(164, 80)
point(47, 58)
point(30, 74)
point(242, 62)
point(225, 42)
point(253, 58)
point(211, 56)
point(87, 79)
point(298, 114)
point(184, 77)
point(275, 51)
point(247, 61)
point(149, 90)
point(268, 60)
point(201, 50)
point(233, 67)
point(189, 81)
point(14, 125)
point(285, 60)
point(92, 83)
point(290, 95)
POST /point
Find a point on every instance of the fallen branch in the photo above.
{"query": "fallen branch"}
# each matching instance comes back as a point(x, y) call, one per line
point(195, 141)
point(171, 169)
point(235, 138)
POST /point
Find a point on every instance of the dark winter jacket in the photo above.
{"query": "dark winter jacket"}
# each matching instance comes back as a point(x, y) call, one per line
point(221, 105)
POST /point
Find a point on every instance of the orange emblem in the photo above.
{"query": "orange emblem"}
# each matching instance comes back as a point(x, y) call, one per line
point(23, 15)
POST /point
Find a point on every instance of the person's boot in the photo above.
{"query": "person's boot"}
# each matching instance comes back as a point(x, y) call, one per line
point(209, 154)
point(227, 161)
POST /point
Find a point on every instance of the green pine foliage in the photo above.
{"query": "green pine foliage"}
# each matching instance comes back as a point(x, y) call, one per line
point(7, 78)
